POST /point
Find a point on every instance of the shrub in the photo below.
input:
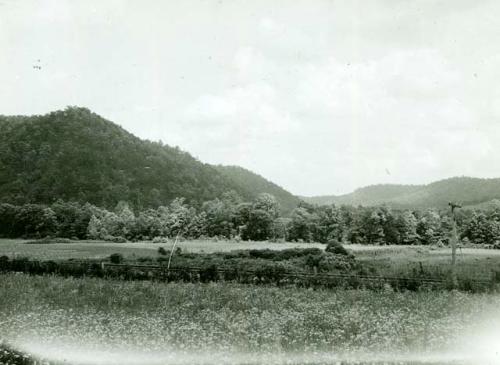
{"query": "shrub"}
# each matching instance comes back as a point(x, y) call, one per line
point(333, 262)
point(336, 248)
point(115, 239)
point(162, 251)
point(160, 239)
point(4, 261)
point(48, 240)
point(116, 258)
point(312, 261)
point(283, 255)
point(143, 260)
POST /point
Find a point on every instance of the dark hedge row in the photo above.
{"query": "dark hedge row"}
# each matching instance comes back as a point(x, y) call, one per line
point(259, 273)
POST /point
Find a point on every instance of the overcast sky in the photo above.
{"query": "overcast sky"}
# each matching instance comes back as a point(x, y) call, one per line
point(320, 97)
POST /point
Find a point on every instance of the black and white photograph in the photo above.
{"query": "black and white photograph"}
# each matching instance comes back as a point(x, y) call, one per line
point(249, 182)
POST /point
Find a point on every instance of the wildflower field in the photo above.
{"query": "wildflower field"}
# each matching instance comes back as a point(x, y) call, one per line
point(68, 318)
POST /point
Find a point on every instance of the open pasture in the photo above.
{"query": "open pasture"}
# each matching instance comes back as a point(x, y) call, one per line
point(102, 249)
point(387, 260)
point(474, 263)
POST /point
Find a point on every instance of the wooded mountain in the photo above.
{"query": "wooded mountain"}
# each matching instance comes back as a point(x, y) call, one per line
point(75, 154)
point(466, 190)
point(252, 183)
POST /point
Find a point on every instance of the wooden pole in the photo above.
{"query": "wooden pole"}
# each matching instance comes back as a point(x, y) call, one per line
point(454, 240)
point(172, 251)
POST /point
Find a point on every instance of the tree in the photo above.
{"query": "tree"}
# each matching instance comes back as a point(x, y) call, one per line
point(148, 225)
point(301, 226)
point(298, 228)
point(179, 217)
point(259, 225)
point(34, 220)
point(94, 228)
point(243, 213)
point(126, 220)
point(330, 225)
point(8, 213)
point(480, 230)
point(372, 226)
point(429, 228)
point(390, 227)
point(407, 228)
point(267, 203)
point(279, 229)
point(221, 216)
point(73, 219)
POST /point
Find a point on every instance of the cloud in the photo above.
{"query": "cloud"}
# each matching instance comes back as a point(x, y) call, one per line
point(350, 121)
point(320, 97)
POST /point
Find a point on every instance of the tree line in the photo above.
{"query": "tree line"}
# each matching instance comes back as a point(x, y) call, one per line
point(231, 217)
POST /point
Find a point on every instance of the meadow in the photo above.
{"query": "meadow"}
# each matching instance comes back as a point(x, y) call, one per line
point(473, 263)
point(102, 249)
point(106, 321)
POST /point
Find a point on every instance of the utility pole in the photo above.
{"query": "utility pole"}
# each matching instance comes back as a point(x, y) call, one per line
point(172, 251)
point(454, 241)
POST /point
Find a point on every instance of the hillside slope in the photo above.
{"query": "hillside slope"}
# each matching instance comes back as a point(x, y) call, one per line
point(77, 155)
point(369, 195)
point(252, 184)
point(466, 190)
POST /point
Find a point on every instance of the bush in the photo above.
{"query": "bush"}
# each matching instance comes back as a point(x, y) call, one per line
point(283, 255)
point(4, 261)
point(162, 251)
point(48, 240)
point(335, 262)
point(336, 248)
point(160, 239)
point(312, 261)
point(116, 258)
point(115, 239)
point(144, 260)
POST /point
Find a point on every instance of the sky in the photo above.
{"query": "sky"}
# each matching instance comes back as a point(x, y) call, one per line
point(320, 97)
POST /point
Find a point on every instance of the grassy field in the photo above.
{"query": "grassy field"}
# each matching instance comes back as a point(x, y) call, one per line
point(102, 249)
point(79, 319)
point(476, 263)
point(388, 260)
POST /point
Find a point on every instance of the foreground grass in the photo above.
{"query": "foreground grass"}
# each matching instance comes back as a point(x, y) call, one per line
point(228, 317)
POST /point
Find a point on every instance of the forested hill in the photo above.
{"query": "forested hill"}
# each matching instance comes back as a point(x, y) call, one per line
point(252, 183)
point(366, 196)
point(466, 190)
point(77, 155)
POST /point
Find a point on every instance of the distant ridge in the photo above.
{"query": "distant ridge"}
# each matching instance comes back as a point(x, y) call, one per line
point(253, 183)
point(466, 190)
point(75, 154)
